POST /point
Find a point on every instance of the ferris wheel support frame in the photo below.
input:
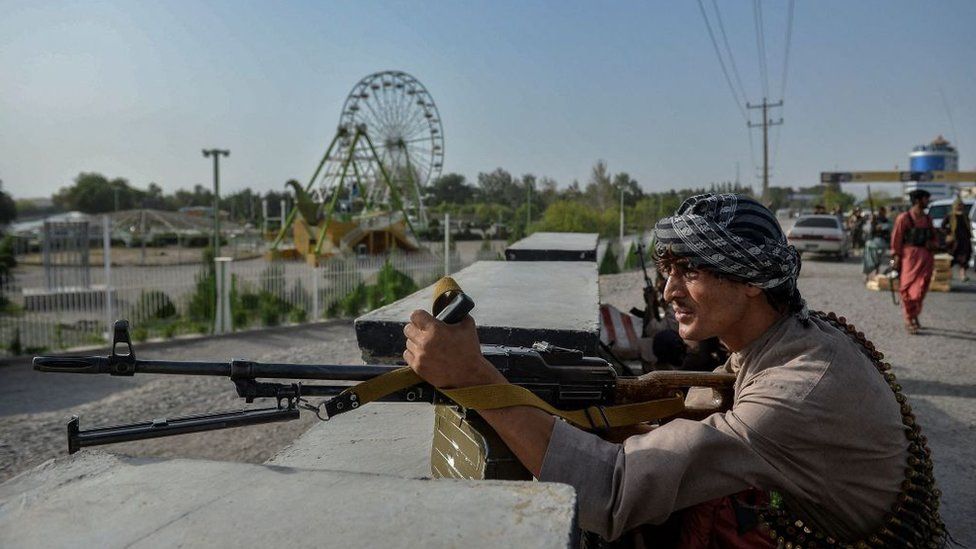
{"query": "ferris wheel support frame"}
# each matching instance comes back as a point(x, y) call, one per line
point(421, 210)
point(394, 192)
point(397, 200)
point(291, 215)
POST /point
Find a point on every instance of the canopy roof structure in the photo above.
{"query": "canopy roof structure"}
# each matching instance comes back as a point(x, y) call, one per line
point(152, 222)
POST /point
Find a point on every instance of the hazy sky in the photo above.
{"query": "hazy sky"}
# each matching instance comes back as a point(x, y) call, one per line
point(136, 89)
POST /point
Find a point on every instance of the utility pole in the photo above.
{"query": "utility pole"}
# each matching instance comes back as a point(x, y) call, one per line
point(216, 154)
point(766, 123)
point(622, 218)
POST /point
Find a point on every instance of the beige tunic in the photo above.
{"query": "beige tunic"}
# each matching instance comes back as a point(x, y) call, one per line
point(812, 419)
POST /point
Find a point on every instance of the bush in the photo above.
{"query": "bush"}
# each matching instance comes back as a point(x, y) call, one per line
point(15, 346)
point(297, 315)
point(393, 285)
point(203, 305)
point(353, 302)
point(609, 264)
point(632, 262)
point(154, 304)
point(140, 334)
point(390, 286)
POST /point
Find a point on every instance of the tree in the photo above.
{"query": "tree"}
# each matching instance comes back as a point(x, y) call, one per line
point(8, 208)
point(93, 193)
point(600, 191)
point(451, 188)
point(632, 190)
point(500, 187)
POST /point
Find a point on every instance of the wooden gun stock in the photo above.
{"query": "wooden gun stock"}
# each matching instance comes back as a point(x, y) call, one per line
point(665, 383)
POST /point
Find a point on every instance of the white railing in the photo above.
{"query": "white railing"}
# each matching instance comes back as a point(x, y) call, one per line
point(165, 301)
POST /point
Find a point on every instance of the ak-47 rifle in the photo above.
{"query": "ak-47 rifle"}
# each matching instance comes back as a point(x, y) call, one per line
point(583, 390)
point(652, 303)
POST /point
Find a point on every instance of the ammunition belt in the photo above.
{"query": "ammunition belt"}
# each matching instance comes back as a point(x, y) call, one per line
point(913, 520)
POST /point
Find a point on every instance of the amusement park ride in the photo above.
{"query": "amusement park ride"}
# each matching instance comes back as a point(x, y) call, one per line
point(366, 195)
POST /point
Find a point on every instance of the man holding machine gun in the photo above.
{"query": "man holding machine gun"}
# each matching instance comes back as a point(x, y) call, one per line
point(814, 434)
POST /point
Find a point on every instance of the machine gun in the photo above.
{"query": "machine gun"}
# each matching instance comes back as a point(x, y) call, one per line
point(563, 381)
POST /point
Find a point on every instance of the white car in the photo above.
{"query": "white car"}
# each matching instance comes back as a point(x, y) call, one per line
point(820, 234)
point(938, 209)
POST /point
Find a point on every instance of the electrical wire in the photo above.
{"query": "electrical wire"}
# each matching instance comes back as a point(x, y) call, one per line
point(786, 68)
point(786, 54)
point(728, 49)
point(761, 45)
point(952, 125)
point(721, 62)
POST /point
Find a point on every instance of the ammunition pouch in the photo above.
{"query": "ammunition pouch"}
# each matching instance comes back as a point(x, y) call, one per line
point(918, 236)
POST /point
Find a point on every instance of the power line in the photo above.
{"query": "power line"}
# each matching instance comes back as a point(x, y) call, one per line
point(761, 45)
point(786, 54)
point(728, 49)
point(786, 67)
point(721, 62)
point(952, 125)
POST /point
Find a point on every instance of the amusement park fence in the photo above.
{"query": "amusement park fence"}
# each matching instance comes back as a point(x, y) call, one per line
point(169, 301)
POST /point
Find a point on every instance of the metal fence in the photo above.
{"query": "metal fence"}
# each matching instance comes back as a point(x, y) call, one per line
point(167, 301)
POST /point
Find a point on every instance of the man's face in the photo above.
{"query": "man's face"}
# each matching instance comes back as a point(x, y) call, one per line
point(923, 201)
point(705, 305)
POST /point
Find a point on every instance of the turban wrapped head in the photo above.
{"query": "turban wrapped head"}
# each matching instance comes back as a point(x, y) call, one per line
point(731, 235)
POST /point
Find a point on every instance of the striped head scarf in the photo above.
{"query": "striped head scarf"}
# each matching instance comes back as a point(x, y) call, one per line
point(731, 235)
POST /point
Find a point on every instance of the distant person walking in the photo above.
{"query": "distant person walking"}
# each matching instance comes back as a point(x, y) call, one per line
point(912, 242)
point(959, 237)
point(877, 243)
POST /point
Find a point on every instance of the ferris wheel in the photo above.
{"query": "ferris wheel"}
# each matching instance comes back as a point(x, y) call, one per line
point(398, 116)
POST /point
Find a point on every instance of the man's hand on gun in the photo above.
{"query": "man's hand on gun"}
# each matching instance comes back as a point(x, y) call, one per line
point(448, 356)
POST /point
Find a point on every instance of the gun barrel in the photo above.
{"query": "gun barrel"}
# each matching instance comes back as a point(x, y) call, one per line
point(71, 364)
point(236, 368)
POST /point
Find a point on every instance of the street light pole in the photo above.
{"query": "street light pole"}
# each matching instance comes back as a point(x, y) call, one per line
point(216, 154)
point(621, 218)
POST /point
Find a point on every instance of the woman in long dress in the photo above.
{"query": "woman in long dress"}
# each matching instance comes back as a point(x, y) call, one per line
point(959, 237)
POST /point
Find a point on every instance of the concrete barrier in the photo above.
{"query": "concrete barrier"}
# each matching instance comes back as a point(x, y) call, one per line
point(387, 438)
point(554, 247)
point(94, 499)
point(516, 304)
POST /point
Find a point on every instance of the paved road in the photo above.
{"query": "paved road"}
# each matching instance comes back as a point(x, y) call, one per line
point(24, 391)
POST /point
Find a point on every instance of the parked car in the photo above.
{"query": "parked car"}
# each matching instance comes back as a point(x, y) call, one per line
point(938, 209)
point(821, 234)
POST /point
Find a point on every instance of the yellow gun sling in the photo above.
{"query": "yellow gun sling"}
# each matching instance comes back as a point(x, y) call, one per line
point(490, 397)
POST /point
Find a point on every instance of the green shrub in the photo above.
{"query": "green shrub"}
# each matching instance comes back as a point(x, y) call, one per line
point(140, 334)
point(272, 309)
point(156, 305)
point(632, 262)
point(609, 264)
point(297, 315)
point(393, 285)
point(15, 346)
point(202, 306)
point(353, 302)
point(170, 329)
